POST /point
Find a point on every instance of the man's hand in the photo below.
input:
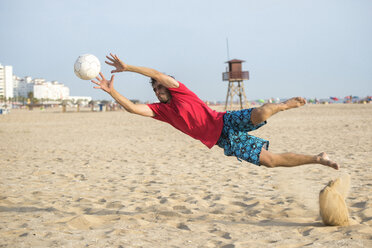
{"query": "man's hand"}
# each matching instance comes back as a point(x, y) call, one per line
point(166, 81)
point(103, 84)
point(116, 62)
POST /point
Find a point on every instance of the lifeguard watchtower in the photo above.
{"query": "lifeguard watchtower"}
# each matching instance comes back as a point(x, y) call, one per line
point(235, 76)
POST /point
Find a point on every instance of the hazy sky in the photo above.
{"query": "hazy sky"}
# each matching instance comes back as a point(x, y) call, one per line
point(313, 48)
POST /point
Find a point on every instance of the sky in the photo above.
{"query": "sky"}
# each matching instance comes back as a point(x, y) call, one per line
point(312, 48)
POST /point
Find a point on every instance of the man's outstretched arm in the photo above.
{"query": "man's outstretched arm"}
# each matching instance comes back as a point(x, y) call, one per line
point(108, 86)
point(120, 66)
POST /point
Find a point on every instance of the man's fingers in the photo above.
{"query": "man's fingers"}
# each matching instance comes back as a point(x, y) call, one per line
point(94, 82)
point(103, 77)
point(112, 78)
point(113, 56)
point(97, 87)
point(109, 63)
point(110, 59)
point(99, 80)
point(114, 71)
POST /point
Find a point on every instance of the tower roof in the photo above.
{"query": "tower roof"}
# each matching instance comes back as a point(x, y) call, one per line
point(235, 61)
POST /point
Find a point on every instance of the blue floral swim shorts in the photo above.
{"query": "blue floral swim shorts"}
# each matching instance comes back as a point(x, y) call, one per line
point(235, 139)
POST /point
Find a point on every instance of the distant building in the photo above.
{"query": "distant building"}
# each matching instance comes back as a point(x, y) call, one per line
point(6, 81)
point(12, 86)
point(22, 86)
point(50, 90)
point(40, 88)
point(83, 100)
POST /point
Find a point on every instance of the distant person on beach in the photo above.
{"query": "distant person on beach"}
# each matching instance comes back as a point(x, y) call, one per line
point(182, 109)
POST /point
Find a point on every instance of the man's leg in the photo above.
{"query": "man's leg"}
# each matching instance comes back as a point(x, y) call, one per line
point(271, 160)
point(262, 113)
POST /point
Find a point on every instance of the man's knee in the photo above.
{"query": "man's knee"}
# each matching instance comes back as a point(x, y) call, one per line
point(257, 116)
point(267, 159)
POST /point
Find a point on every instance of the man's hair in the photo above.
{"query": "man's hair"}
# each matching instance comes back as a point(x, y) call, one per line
point(152, 80)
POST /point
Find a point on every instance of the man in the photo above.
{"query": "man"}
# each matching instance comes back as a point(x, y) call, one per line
point(181, 108)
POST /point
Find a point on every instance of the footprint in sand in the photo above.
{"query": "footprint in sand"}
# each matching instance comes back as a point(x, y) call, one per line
point(182, 209)
point(86, 222)
point(220, 233)
point(333, 209)
point(182, 226)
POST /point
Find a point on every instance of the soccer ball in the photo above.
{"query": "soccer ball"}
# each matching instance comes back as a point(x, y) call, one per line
point(87, 66)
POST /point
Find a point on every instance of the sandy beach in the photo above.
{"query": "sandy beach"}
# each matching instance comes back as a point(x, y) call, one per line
point(112, 179)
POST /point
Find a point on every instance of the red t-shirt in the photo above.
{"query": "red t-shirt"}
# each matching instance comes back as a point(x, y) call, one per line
point(190, 115)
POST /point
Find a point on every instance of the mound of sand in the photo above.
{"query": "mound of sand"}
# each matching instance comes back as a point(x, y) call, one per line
point(333, 209)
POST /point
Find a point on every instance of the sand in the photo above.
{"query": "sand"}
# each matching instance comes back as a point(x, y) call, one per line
point(113, 179)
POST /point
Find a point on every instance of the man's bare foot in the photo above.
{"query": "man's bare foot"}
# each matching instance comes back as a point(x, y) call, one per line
point(322, 158)
point(294, 102)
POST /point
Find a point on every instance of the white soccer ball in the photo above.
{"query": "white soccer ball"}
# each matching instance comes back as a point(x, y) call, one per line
point(87, 66)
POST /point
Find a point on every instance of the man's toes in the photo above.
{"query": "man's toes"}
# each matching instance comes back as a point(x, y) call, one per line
point(301, 100)
point(332, 164)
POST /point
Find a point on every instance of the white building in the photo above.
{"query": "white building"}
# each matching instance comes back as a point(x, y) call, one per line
point(6, 81)
point(50, 90)
point(12, 86)
point(22, 86)
point(83, 100)
point(40, 88)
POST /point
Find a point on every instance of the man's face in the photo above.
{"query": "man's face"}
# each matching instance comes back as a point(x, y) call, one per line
point(161, 92)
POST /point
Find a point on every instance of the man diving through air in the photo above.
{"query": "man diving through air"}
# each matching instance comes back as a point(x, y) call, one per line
point(182, 109)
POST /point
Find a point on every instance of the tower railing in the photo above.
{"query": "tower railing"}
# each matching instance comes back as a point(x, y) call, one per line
point(235, 76)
